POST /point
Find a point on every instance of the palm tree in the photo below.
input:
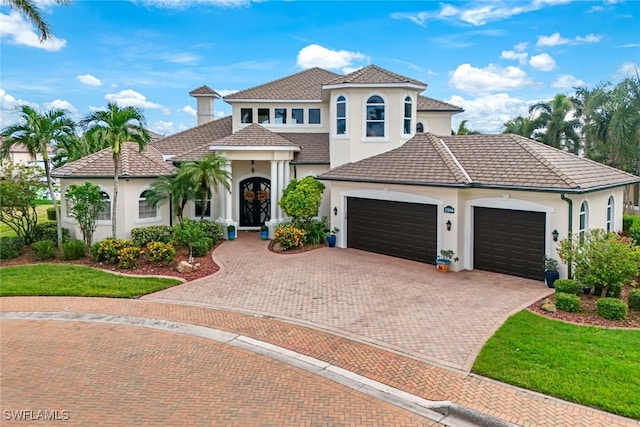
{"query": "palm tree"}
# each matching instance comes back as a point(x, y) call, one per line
point(38, 132)
point(117, 125)
point(463, 130)
point(177, 190)
point(28, 9)
point(522, 126)
point(208, 172)
point(553, 126)
point(76, 148)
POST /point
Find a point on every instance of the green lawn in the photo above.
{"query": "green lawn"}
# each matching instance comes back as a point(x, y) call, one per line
point(68, 280)
point(588, 365)
point(41, 210)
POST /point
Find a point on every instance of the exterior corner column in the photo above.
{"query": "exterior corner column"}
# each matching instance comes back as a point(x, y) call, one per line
point(287, 173)
point(280, 186)
point(274, 191)
point(228, 196)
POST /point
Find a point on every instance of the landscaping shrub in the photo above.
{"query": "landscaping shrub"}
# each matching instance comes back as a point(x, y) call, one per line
point(74, 249)
point(288, 236)
point(567, 286)
point(634, 299)
point(156, 233)
point(314, 232)
point(48, 231)
point(568, 302)
point(51, 214)
point(201, 246)
point(108, 249)
point(628, 221)
point(612, 308)
point(613, 290)
point(128, 255)
point(43, 249)
point(11, 247)
point(161, 252)
point(212, 230)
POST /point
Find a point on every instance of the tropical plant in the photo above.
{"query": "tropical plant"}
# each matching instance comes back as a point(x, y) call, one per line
point(118, 125)
point(28, 9)
point(288, 236)
point(178, 190)
point(38, 133)
point(205, 174)
point(463, 130)
point(301, 200)
point(19, 186)
point(187, 233)
point(553, 125)
point(522, 126)
point(550, 264)
point(447, 255)
point(78, 147)
point(85, 206)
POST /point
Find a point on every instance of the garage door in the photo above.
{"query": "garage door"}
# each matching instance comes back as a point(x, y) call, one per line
point(508, 241)
point(404, 230)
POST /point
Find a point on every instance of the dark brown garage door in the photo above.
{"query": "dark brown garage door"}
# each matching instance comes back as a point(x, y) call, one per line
point(508, 241)
point(404, 230)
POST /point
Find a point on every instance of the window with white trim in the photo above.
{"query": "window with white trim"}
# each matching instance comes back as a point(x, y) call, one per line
point(106, 213)
point(297, 114)
point(583, 219)
point(263, 116)
point(199, 204)
point(246, 115)
point(341, 115)
point(145, 210)
point(280, 116)
point(314, 116)
point(610, 214)
point(407, 116)
point(375, 116)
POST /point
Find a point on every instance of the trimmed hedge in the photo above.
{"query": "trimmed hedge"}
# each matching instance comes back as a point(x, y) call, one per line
point(631, 226)
point(614, 290)
point(48, 231)
point(568, 302)
point(634, 299)
point(43, 249)
point(75, 249)
point(156, 233)
point(212, 230)
point(612, 308)
point(108, 249)
point(51, 214)
point(567, 286)
point(11, 247)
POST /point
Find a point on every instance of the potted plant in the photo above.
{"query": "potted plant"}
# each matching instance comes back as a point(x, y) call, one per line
point(231, 232)
point(551, 273)
point(331, 238)
point(444, 260)
point(264, 232)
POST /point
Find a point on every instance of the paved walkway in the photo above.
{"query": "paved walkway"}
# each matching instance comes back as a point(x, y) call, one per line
point(394, 303)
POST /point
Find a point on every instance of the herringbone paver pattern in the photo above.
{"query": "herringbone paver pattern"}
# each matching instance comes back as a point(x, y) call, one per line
point(399, 304)
point(406, 373)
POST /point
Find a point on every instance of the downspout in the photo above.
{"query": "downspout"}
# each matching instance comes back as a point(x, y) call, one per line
point(570, 202)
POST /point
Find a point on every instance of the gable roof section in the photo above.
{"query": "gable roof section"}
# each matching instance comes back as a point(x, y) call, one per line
point(372, 74)
point(305, 85)
point(133, 164)
point(489, 161)
point(190, 139)
point(255, 135)
point(314, 147)
point(429, 104)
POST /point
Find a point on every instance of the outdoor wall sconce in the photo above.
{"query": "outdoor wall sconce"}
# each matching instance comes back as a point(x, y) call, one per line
point(252, 166)
point(335, 211)
point(448, 225)
point(555, 235)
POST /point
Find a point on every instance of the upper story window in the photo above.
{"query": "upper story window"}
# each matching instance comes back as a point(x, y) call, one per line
point(246, 115)
point(375, 116)
point(263, 116)
point(280, 116)
point(297, 114)
point(610, 214)
point(407, 116)
point(341, 115)
point(419, 128)
point(583, 219)
point(106, 213)
point(145, 210)
point(314, 116)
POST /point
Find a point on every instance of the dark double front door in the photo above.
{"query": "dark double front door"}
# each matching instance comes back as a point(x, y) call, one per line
point(255, 202)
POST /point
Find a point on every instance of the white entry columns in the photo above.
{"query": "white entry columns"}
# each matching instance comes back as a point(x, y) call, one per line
point(279, 180)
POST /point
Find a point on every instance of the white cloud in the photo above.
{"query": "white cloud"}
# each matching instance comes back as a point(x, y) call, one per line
point(542, 62)
point(589, 38)
point(89, 80)
point(556, 39)
point(131, 97)
point(417, 18)
point(521, 47)
point(61, 105)
point(521, 57)
point(567, 81)
point(180, 58)
point(488, 113)
point(315, 55)
point(628, 69)
point(16, 30)
point(190, 110)
point(489, 79)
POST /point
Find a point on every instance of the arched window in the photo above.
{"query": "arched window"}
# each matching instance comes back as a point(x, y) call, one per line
point(375, 116)
point(106, 213)
point(419, 128)
point(407, 116)
point(583, 218)
point(145, 210)
point(610, 214)
point(341, 115)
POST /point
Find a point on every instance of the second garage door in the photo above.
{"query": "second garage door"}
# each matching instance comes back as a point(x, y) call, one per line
point(404, 230)
point(509, 241)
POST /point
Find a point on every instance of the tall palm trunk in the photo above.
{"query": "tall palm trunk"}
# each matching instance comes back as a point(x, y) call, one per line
point(114, 206)
point(56, 205)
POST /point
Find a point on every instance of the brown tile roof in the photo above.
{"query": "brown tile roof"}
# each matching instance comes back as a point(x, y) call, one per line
point(314, 147)
point(255, 135)
point(373, 74)
point(305, 85)
point(501, 161)
point(204, 90)
point(133, 164)
point(429, 104)
point(190, 139)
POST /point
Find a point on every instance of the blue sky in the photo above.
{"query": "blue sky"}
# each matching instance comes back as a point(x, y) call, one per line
point(493, 58)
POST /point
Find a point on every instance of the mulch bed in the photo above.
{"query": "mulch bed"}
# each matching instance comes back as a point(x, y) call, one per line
point(588, 314)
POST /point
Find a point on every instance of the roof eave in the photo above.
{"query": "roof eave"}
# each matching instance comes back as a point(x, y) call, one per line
point(375, 85)
point(253, 148)
point(260, 100)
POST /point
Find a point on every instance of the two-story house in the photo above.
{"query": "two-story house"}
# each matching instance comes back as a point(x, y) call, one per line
point(398, 183)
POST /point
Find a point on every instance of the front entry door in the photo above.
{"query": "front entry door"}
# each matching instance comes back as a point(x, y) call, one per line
point(255, 202)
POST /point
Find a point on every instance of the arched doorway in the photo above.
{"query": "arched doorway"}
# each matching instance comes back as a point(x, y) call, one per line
point(255, 202)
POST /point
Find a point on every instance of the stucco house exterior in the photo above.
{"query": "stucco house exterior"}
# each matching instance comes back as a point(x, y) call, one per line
point(397, 181)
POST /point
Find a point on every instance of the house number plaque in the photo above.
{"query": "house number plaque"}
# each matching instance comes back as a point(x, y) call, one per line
point(449, 209)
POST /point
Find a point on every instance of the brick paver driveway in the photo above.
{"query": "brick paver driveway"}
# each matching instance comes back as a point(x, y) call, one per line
point(401, 305)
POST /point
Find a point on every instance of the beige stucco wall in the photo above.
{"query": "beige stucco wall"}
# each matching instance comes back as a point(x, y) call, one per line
point(323, 127)
point(438, 123)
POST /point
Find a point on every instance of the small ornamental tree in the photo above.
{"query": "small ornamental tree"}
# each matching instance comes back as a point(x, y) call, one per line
point(301, 200)
point(19, 187)
point(85, 205)
point(601, 258)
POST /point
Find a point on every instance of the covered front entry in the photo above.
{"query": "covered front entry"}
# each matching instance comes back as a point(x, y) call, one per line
point(255, 202)
point(400, 229)
point(509, 241)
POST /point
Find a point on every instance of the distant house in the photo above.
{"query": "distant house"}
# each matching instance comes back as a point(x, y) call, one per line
point(397, 182)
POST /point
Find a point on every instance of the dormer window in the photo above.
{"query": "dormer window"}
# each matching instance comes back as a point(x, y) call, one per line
point(407, 116)
point(341, 115)
point(375, 116)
